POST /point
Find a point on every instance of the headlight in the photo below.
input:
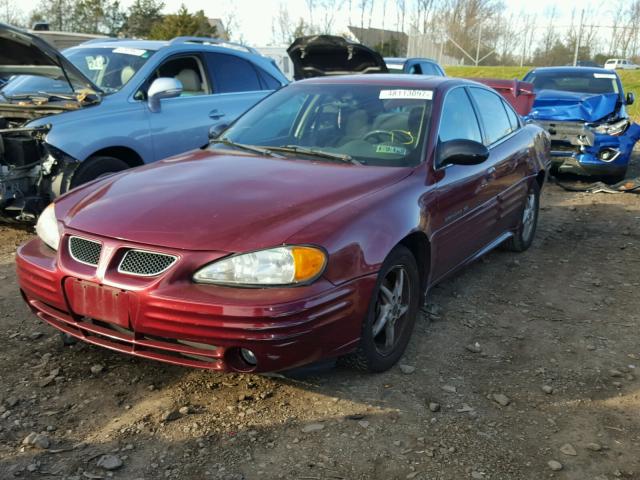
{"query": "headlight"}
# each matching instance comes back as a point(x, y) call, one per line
point(47, 227)
point(287, 265)
point(616, 128)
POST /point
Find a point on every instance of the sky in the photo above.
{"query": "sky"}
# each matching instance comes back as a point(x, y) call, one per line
point(254, 18)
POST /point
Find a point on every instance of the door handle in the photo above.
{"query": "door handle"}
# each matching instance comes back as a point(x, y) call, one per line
point(491, 172)
point(216, 115)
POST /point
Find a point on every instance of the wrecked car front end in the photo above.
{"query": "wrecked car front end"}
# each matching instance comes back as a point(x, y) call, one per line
point(32, 173)
point(42, 84)
point(591, 133)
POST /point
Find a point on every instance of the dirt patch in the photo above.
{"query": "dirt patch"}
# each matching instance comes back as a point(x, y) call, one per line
point(527, 359)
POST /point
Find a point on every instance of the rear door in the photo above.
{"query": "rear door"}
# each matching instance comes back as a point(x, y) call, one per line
point(508, 154)
point(237, 84)
point(466, 205)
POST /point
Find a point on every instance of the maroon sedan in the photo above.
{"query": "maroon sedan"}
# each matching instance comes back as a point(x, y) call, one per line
point(313, 227)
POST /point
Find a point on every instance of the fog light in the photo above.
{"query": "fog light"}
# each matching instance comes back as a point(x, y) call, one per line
point(609, 154)
point(248, 356)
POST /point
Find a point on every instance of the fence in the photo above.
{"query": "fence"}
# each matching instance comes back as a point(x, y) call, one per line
point(426, 46)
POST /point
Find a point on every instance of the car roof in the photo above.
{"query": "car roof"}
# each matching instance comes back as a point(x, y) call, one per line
point(404, 59)
point(390, 80)
point(571, 69)
point(125, 43)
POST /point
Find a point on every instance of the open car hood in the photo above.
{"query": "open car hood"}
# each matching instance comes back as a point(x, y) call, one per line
point(22, 53)
point(571, 106)
point(322, 55)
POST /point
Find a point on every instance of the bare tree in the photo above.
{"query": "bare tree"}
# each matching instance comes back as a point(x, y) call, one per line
point(10, 13)
point(281, 26)
point(310, 5)
point(362, 4)
point(401, 10)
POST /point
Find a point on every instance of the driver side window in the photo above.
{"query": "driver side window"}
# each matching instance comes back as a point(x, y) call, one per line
point(458, 120)
point(187, 69)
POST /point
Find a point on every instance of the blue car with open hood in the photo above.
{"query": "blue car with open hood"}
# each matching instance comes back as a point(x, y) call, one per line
point(584, 111)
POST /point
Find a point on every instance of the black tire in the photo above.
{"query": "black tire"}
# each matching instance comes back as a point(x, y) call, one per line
point(67, 340)
point(369, 355)
point(523, 236)
point(98, 166)
point(613, 179)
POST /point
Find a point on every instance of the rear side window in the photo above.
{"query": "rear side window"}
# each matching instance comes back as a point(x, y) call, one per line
point(268, 81)
point(430, 69)
point(492, 114)
point(458, 121)
point(232, 74)
point(513, 117)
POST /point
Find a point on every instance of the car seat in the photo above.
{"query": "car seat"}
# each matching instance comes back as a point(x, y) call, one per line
point(125, 74)
point(191, 84)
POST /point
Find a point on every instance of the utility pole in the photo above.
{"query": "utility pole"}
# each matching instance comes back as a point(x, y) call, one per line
point(477, 60)
point(578, 39)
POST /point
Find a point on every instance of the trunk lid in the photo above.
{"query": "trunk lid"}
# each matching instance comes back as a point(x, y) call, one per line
point(323, 55)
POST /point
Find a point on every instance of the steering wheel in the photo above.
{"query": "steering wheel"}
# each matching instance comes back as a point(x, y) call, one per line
point(395, 136)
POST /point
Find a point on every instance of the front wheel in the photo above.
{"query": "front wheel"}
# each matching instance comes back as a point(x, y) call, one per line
point(96, 167)
point(526, 231)
point(392, 313)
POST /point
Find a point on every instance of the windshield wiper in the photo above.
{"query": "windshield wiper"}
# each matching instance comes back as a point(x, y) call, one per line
point(248, 148)
point(343, 157)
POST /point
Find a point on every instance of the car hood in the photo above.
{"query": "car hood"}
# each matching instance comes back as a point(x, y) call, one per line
point(218, 200)
point(322, 55)
point(572, 106)
point(22, 53)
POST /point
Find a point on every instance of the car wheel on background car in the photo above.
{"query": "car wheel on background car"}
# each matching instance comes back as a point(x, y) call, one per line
point(391, 316)
point(96, 167)
point(526, 231)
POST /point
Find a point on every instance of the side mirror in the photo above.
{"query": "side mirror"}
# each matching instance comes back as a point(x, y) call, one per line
point(216, 130)
point(630, 98)
point(462, 152)
point(164, 87)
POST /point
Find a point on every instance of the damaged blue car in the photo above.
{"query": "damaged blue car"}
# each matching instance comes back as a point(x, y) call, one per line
point(583, 109)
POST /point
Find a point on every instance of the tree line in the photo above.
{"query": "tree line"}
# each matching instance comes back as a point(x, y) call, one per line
point(484, 30)
point(142, 19)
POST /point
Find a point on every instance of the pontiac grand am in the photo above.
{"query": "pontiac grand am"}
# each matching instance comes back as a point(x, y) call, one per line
point(313, 227)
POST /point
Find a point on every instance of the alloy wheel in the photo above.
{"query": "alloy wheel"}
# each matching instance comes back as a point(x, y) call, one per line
point(529, 216)
point(391, 308)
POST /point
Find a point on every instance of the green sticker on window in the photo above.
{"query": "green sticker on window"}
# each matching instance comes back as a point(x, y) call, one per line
point(391, 149)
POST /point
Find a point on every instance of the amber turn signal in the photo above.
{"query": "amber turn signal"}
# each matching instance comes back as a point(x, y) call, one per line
point(309, 262)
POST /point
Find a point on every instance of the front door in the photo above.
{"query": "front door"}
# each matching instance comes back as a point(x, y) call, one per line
point(466, 207)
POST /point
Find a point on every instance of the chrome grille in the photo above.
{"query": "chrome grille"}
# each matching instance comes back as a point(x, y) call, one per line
point(146, 264)
point(85, 251)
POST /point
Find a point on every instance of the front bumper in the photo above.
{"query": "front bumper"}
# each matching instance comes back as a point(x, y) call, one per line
point(576, 149)
point(171, 319)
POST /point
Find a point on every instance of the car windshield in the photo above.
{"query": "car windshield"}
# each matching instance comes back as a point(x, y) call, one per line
point(109, 68)
point(580, 82)
point(368, 124)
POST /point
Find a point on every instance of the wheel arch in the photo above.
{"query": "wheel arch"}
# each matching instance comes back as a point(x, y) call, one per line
point(126, 154)
point(540, 178)
point(420, 247)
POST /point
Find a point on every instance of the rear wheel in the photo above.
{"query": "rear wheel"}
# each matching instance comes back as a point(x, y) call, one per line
point(391, 316)
point(96, 167)
point(526, 231)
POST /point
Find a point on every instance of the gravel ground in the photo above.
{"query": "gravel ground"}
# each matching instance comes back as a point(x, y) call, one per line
point(525, 367)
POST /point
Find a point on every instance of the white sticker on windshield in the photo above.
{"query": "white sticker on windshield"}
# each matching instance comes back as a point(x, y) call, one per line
point(604, 75)
point(130, 51)
point(406, 94)
point(95, 63)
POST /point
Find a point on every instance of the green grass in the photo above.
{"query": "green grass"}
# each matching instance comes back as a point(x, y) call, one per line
point(630, 79)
